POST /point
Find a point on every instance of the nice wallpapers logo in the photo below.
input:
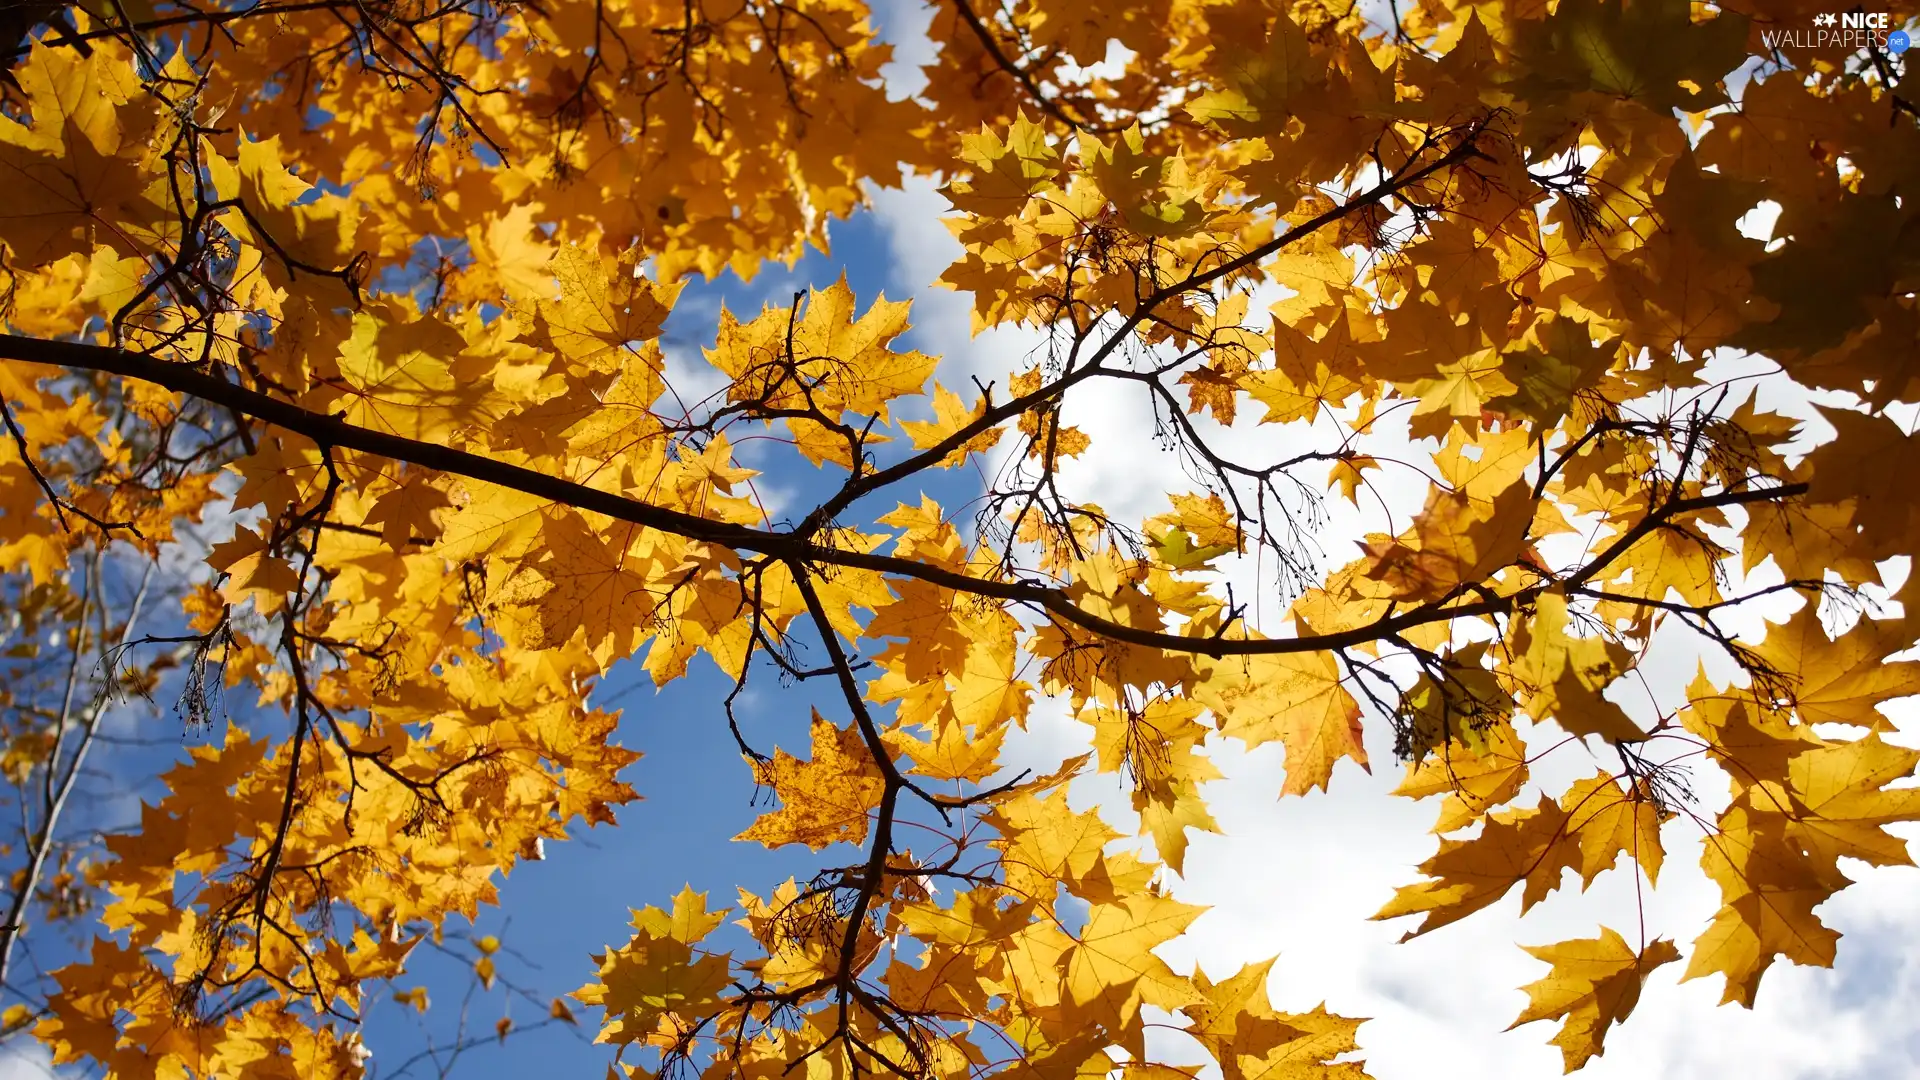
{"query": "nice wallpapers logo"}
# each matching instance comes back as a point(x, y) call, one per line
point(1845, 30)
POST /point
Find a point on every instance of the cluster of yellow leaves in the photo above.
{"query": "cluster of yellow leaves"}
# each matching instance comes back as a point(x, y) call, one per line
point(1488, 232)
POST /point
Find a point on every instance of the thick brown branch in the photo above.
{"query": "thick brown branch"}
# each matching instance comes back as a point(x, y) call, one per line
point(787, 546)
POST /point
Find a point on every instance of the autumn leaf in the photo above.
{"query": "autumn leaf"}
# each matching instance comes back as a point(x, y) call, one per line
point(1609, 821)
point(1454, 540)
point(1112, 971)
point(688, 922)
point(824, 800)
point(604, 307)
point(1517, 845)
point(1177, 550)
point(950, 416)
point(1594, 984)
point(1567, 673)
point(1294, 699)
point(1153, 193)
point(1243, 1032)
point(1005, 172)
point(1843, 680)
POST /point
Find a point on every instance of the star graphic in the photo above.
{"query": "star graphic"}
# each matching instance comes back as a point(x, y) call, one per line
point(1825, 18)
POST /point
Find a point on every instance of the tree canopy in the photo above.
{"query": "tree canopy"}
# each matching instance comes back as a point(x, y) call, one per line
point(380, 288)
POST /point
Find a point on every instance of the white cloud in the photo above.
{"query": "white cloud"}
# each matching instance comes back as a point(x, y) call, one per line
point(694, 387)
point(25, 1059)
point(903, 24)
point(1298, 877)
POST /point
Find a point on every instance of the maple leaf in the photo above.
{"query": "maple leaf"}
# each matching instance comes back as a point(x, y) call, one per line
point(1234, 1018)
point(1753, 742)
point(1454, 540)
point(1177, 550)
point(1251, 1041)
point(1775, 856)
point(1608, 820)
point(1675, 558)
point(285, 215)
point(954, 754)
point(253, 571)
point(1263, 84)
point(524, 268)
point(1457, 700)
point(1518, 845)
point(975, 919)
point(604, 306)
point(649, 978)
point(1459, 392)
point(410, 374)
point(1006, 172)
point(1045, 844)
point(1349, 473)
point(1477, 770)
point(1307, 1056)
point(1294, 699)
point(407, 512)
point(1594, 984)
point(1567, 674)
point(687, 923)
point(950, 415)
point(1844, 788)
point(1645, 53)
point(590, 584)
point(815, 365)
point(1842, 680)
point(113, 282)
point(1112, 970)
point(1558, 364)
point(1770, 891)
point(826, 799)
point(78, 165)
point(1154, 194)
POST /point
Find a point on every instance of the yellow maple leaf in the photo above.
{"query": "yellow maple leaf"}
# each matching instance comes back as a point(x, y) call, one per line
point(1155, 195)
point(1844, 679)
point(687, 923)
point(1606, 820)
point(77, 167)
point(1518, 845)
point(954, 753)
point(1769, 889)
point(1846, 802)
point(410, 374)
point(1112, 970)
point(1594, 984)
point(1475, 774)
point(1291, 698)
point(1045, 844)
point(606, 305)
point(651, 978)
point(950, 414)
point(1459, 392)
point(285, 215)
point(1005, 173)
point(1454, 540)
point(826, 799)
point(1566, 674)
point(253, 571)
